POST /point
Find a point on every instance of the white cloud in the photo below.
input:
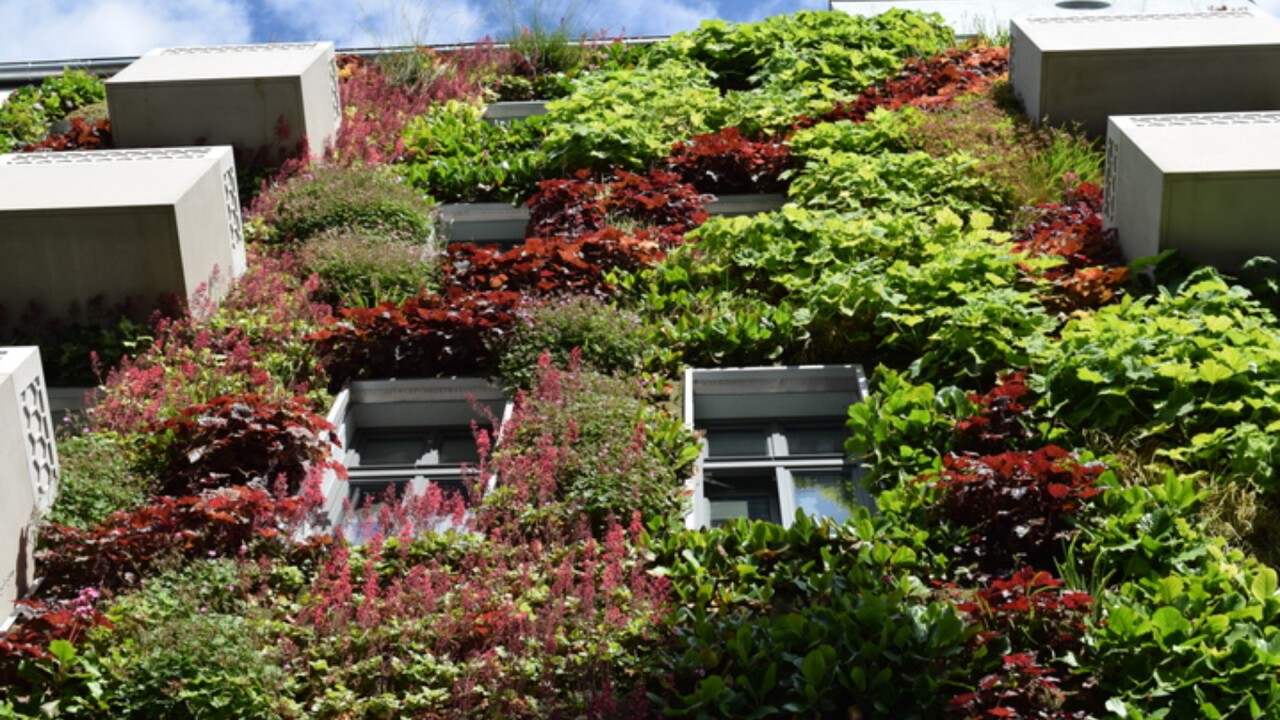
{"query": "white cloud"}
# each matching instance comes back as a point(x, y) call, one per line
point(371, 22)
point(67, 29)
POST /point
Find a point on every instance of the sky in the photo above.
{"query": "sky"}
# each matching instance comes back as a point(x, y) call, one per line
point(76, 29)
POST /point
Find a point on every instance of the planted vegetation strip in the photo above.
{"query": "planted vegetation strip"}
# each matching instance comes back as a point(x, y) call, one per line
point(1025, 559)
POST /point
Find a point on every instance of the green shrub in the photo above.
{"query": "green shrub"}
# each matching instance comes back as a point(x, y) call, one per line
point(911, 182)
point(820, 286)
point(188, 645)
point(606, 339)
point(328, 197)
point(882, 132)
point(803, 44)
point(361, 268)
point(456, 156)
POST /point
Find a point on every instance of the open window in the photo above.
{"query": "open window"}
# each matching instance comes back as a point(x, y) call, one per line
point(404, 437)
point(773, 443)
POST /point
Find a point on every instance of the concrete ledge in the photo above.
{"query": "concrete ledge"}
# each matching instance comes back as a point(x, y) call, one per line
point(1205, 185)
point(1082, 70)
point(240, 95)
point(117, 224)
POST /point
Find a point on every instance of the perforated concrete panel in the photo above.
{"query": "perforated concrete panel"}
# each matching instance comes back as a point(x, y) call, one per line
point(240, 95)
point(1084, 69)
point(1205, 185)
point(80, 227)
point(28, 467)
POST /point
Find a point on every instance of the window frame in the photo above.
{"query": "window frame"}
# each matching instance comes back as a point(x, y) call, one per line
point(773, 399)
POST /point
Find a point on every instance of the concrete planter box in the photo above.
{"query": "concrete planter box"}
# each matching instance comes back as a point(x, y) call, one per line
point(732, 205)
point(28, 468)
point(116, 224)
point(1205, 185)
point(505, 112)
point(228, 95)
point(483, 223)
point(1082, 70)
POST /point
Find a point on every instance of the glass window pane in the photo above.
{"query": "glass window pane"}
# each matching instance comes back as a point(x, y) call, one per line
point(825, 493)
point(816, 440)
point(737, 441)
point(458, 447)
point(391, 448)
point(753, 496)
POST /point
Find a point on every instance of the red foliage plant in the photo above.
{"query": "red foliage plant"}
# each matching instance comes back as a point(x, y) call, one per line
point(376, 109)
point(1036, 617)
point(81, 136)
point(1016, 505)
point(427, 336)
point(574, 207)
point(242, 438)
point(1003, 420)
point(926, 84)
point(1092, 271)
point(728, 162)
point(553, 265)
point(127, 545)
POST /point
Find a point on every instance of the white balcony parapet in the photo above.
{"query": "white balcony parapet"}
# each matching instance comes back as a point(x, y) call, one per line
point(28, 468)
point(1081, 70)
point(1202, 184)
point(78, 227)
point(253, 97)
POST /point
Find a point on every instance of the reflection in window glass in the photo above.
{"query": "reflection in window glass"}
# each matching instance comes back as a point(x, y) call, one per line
point(824, 494)
point(815, 440)
point(458, 447)
point(754, 497)
point(737, 441)
point(391, 448)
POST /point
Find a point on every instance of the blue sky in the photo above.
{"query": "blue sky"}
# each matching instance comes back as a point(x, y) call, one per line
point(71, 29)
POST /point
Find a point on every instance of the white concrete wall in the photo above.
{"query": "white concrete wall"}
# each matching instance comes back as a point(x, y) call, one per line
point(28, 467)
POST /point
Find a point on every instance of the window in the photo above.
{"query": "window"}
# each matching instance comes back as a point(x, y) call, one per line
point(401, 437)
point(773, 443)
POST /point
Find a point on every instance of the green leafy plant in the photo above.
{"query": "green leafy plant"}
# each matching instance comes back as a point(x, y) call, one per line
point(454, 155)
point(630, 118)
point(1187, 373)
point(26, 114)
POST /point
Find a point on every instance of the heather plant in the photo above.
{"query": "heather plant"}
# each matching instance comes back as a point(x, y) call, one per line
point(454, 626)
point(615, 453)
point(252, 342)
point(377, 104)
point(607, 339)
point(325, 197)
point(359, 268)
